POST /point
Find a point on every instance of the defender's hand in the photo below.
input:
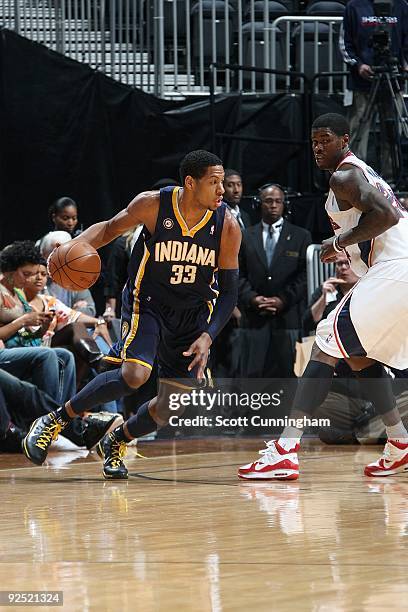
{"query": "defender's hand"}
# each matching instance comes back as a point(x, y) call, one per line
point(200, 349)
point(327, 252)
point(57, 244)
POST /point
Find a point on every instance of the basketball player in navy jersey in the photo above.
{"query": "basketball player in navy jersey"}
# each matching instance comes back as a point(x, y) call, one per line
point(181, 291)
point(369, 326)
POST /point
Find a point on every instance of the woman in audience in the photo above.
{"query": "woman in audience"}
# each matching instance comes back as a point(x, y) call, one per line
point(68, 327)
point(21, 328)
point(63, 215)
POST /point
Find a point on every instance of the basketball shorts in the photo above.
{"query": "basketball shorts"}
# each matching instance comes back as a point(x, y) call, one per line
point(153, 329)
point(372, 319)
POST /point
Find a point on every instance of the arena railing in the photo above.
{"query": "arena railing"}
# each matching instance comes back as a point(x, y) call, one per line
point(316, 271)
point(322, 54)
point(165, 46)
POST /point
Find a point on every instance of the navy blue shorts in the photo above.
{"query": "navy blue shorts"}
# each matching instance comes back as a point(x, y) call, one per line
point(149, 329)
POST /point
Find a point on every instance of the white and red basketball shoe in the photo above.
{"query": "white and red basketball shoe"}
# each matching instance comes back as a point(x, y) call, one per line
point(393, 460)
point(276, 463)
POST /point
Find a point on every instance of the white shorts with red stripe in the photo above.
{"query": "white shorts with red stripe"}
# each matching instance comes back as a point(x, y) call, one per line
point(372, 319)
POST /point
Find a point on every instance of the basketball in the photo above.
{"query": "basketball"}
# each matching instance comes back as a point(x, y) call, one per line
point(74, 265)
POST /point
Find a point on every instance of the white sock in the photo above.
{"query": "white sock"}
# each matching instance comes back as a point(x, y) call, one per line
point(289, 437)
point(397, 432)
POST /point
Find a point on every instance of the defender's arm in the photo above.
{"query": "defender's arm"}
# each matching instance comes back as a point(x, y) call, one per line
point(352, 190)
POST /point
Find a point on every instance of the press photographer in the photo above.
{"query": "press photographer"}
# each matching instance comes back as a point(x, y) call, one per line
point(374, 43)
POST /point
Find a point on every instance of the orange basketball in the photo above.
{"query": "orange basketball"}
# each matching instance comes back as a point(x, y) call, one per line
point(74, 265)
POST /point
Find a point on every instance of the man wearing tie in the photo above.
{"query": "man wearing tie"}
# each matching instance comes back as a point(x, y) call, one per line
point(233, 196)
point(272, 287)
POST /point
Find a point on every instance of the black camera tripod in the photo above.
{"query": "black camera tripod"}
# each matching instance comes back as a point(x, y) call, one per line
point(385, 92)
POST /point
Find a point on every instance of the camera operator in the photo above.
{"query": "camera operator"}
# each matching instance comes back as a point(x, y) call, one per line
point(374, 39)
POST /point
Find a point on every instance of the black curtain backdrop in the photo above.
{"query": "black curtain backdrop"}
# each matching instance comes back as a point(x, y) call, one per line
point(264, 116)
point(69, 130)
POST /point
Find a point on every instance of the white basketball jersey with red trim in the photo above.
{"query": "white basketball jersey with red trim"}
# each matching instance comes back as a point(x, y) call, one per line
point(391, 245)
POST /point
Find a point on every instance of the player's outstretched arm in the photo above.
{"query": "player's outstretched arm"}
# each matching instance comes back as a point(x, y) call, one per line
point(228, 275)
point(352, 190)
point(141, 210)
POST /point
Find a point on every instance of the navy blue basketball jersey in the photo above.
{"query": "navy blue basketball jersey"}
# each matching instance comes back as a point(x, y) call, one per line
point(177, 266)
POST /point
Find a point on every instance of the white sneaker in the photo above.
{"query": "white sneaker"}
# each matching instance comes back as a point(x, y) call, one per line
point(276, 463)
point(393, 460)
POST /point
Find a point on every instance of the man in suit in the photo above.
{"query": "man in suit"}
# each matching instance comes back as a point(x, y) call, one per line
point(233, 195)
point(272, 288)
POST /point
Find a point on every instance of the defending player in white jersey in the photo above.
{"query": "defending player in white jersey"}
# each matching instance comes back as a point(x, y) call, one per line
point(369, 326)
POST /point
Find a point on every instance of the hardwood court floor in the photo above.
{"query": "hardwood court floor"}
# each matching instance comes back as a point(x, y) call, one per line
point(183, 534)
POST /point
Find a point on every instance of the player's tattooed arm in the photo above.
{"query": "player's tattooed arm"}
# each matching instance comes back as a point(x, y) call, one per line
point(142, 209)
point(353, 191)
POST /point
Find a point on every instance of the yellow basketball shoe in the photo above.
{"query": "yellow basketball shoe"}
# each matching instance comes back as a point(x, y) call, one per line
point(112, 451)
point(38, 440)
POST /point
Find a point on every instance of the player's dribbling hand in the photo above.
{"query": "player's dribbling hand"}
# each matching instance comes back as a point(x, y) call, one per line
point(200, 349)
point(57, 244)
